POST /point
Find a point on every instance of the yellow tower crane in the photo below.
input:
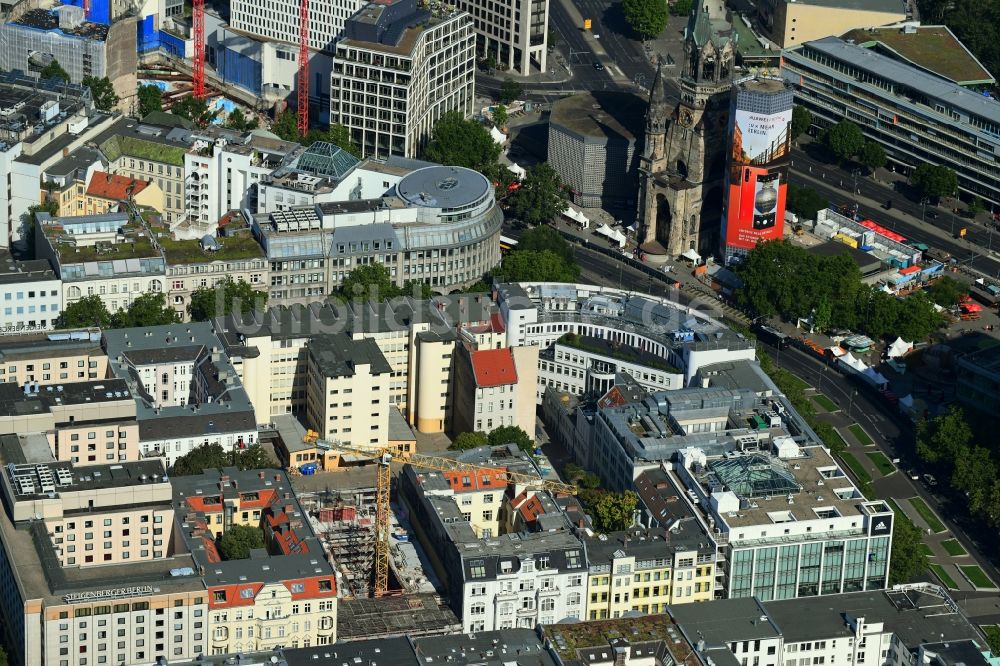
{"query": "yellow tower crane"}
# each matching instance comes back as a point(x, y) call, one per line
point(384, 457)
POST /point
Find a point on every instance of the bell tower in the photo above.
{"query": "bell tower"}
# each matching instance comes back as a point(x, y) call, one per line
point(682, 172)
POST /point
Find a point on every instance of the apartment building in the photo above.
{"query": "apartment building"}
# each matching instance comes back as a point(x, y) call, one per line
point(731, 630)
point(187, 392)
point(915, 115)
point(494, 388)
point(348, 397)
point(106, 191)
point(508, 554)
point(222, 170)
point(643, 570)
point(111, 591)
point(282, 595)
point(108, 255)
point(85, 423)
point(30, 294)
point(53, 358)
point(393, 79)
point(148, 152)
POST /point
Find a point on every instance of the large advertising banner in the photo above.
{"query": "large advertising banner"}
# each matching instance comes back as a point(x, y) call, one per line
point(758, 178)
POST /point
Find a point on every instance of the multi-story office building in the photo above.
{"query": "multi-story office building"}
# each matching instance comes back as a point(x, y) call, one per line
point(282, 595)
point(278, 20)
point(514, 32)
point(53, 358)
point(187, 391)
point(88, 565)
point(84, 423)
point(916, 116)
point(792, 22)
point(607, 330)
point(30, 38)
point(978, 380)
point(347, 397)
point(644, 570)
point(437, 225)
point(108, 255)
point(30, 294)
point(397, 71)
point(508, 553)
point(793, 523)
point(494, 387)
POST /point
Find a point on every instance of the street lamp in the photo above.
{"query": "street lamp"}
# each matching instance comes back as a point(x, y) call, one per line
point(923, 208)
point(850, 408)
point(855, 173)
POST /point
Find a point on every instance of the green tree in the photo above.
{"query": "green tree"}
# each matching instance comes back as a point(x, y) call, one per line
point(469, 440)
point(511, 434)
point(368, 282)
point(53, 70)
point(239, 121)
point(945, 438)
point(146, 310)
point(102, 92)
point(286, 125)
point(194, 109)
point(804, 201)
point(947, 291)
point(934, 180)
point(456, 141)
point(88, 311)
point(510, 90)
point(500, 116)
point(238, 540)
point(150, 99)
point(254, 456)
point(681, 8)
point(611, 512)
point(223, 298)
point(907, 560)
point(845, 139)
point(541, 197)
point(532, 266)
point(802, 118)
point(544, 237)
point(201, 458)
point(976, 206)
point(872, 156)
point(648, 18)
point(340, 136)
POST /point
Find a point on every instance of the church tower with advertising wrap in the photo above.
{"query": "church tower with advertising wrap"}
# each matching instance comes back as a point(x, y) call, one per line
point(682, 169)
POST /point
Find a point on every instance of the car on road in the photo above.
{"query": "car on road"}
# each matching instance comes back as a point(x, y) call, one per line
point(930, 480)
point(888, 204)
point(932, 214)
point(598, 66)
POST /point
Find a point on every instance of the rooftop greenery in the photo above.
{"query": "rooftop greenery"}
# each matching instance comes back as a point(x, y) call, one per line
point(624, 353)
point(230, 248)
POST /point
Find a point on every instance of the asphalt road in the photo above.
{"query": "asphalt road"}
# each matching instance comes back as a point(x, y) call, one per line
point(905, 215)
point(895, 436)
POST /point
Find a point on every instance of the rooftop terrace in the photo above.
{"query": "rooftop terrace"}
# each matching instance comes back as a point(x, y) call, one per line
point(231, 248)
point(567, 639)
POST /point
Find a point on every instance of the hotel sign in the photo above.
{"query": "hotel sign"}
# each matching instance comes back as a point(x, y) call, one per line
point(101, 595)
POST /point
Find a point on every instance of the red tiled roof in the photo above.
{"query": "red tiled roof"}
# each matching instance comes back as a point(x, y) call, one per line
point(111, 186)
point(496, 319)
point(493, 367)
point(531, 509)
point(478, 480)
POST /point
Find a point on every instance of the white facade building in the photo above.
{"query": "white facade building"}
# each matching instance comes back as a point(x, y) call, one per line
point(392, 80)
point(30, 295)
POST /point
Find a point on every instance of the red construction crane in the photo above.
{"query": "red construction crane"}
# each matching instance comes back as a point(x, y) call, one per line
point(198, 19)
point(303, 107)
point(86, 10)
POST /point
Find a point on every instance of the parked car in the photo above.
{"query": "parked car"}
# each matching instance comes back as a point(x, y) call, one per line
point(598, 66)
point(930, 480)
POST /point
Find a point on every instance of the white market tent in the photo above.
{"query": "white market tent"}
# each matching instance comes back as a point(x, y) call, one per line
point(899, 348)
point(612, 235)
point(498, 136)
point(517, 170)
point(691, 254)
point(577, 216)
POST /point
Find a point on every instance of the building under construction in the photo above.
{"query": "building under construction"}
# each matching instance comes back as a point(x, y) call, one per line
point(31, 38)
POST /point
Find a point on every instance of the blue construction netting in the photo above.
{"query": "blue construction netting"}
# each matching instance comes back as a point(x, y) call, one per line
point(239, 70)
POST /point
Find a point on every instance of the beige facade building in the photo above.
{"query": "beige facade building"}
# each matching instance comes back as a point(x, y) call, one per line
point(495, 387)
point(85, 423)
point(792, 22)
point(53, 358)
point(103, 193)
point(348, 390)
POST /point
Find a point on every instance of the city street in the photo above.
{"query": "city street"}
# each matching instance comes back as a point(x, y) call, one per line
point(836, 185)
